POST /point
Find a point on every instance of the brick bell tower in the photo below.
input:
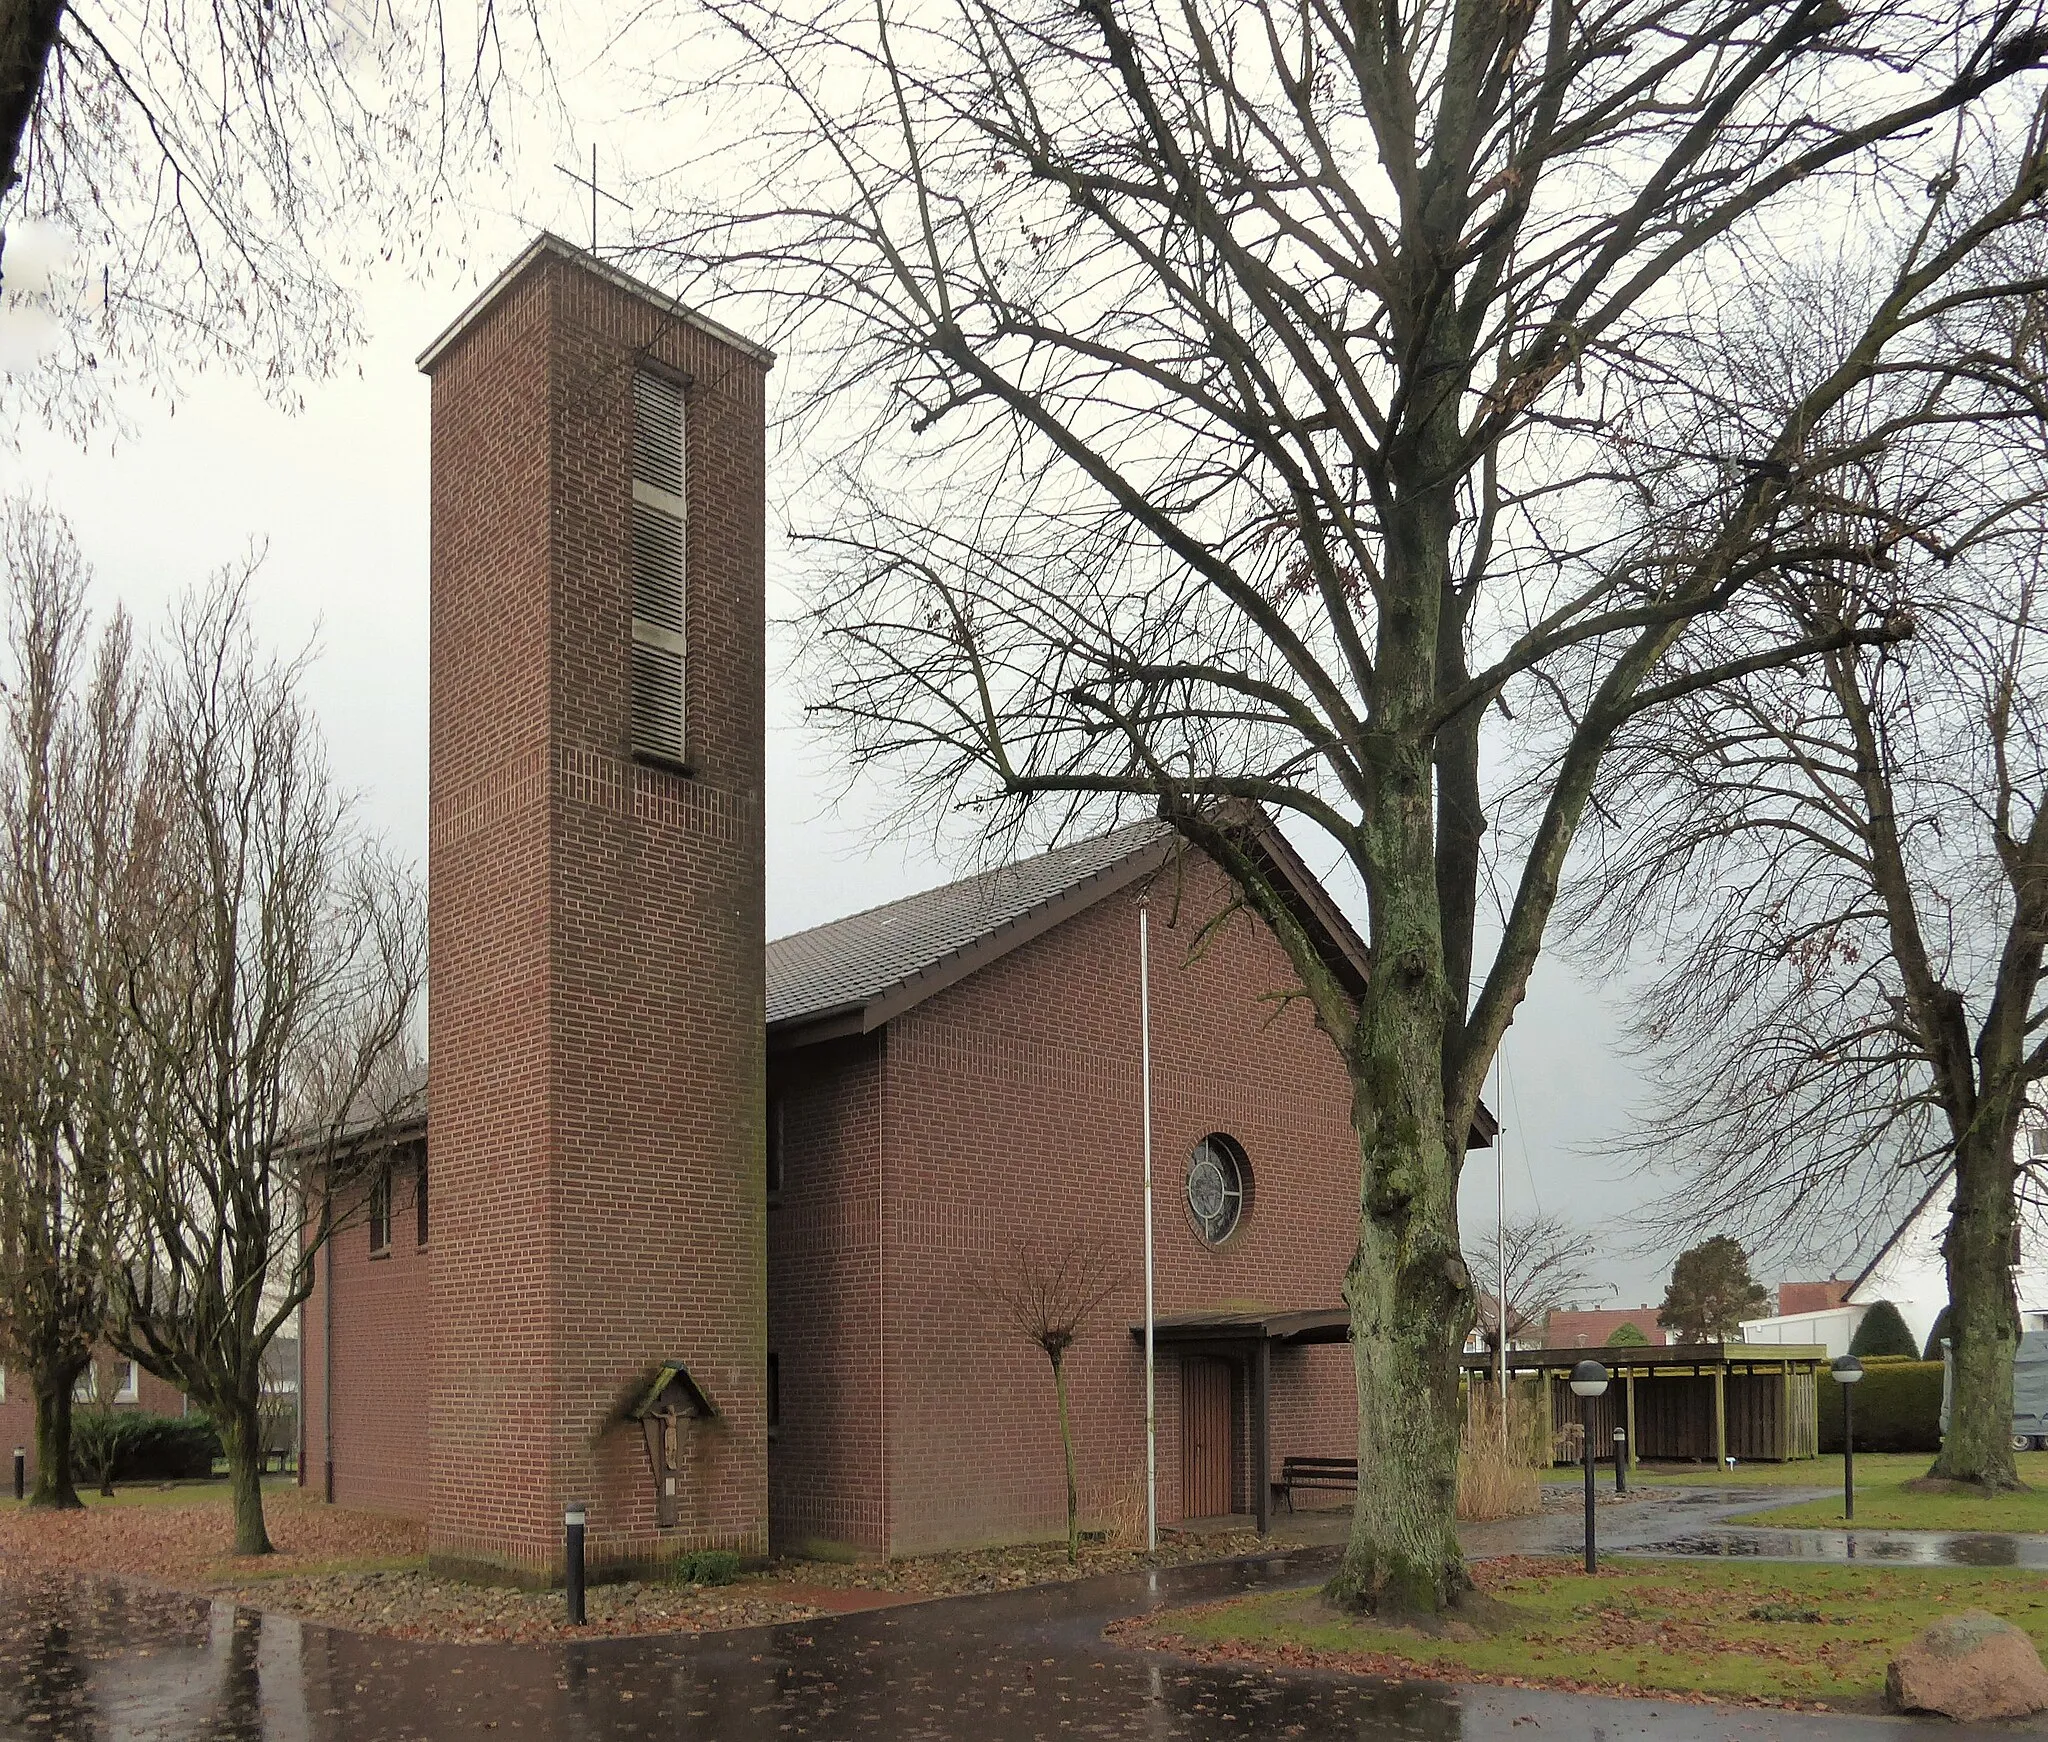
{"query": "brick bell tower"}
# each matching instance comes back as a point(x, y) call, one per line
point(595, 957)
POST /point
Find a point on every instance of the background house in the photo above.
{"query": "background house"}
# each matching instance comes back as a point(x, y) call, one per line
point(1908, 1271)
point(113, 1380)
point(1571, 1328)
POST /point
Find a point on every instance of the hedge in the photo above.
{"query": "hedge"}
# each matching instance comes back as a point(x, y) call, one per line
point(145, 1447)
point(1898, 1407)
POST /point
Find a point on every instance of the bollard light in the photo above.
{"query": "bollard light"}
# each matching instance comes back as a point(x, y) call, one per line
point(1589, 1380)
point(572, 1556)
point(1846, 1371)
point(20, 1471)
point(1621, 1460)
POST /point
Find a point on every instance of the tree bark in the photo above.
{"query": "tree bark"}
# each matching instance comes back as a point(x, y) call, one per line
point(1411, 1306)
point(1059, 1385)
point(241, 1437)
point(1407, 1287)
point(1984, 1320)
point(55, 1485)
point(28, 33)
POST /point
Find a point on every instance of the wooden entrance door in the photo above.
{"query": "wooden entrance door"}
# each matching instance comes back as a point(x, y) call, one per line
point(1205, 1440)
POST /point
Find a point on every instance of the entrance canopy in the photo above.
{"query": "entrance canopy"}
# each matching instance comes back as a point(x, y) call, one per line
point(1250, 1325)
point(1247, 1334)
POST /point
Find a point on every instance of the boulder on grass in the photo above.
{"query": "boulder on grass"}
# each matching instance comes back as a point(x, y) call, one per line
point(1969, 1667)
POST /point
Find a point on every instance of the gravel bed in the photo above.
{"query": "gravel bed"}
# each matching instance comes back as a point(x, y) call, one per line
point(412, 1605)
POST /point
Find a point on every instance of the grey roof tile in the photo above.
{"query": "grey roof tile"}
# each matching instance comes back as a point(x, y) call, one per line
point(850, 961)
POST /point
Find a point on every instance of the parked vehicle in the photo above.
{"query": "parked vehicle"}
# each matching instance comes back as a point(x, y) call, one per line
point(2029, 1391)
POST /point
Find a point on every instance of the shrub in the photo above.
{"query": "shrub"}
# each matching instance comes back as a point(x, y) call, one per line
point(1628, 1336)
point(1883, 1332)
point(141, 1446)
point(1933, 1350)
point(705, 1566)
point(1898, 1407)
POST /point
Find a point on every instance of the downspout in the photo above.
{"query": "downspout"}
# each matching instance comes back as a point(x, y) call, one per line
point(882, 1272)
point(300, 1411)
point(327, 1361)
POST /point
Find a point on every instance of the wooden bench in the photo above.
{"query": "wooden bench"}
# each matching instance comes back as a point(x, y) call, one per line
point(1314, 1473)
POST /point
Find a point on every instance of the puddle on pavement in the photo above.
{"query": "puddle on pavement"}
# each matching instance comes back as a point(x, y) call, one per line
point(84, 1661)
point(1916, 1548)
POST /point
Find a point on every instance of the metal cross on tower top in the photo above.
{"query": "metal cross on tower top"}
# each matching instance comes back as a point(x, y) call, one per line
point(596, 192)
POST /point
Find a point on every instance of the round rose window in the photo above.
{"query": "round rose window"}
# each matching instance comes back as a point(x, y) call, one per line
point(1219, 1188)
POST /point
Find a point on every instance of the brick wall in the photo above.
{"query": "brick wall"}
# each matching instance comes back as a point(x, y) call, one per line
point(1009, 1104)
point(824, 1298)
point(380, 1375)
point(596, 1027)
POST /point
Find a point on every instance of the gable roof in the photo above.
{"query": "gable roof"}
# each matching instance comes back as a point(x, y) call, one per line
point(548, 243)
point(852, 975)
point(2036, 1140)
point(905, 950)
point(1891, 1242)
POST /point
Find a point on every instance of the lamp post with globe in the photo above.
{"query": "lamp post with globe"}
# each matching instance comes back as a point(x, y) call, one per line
point(1589, 1380)
point(1847, 1370)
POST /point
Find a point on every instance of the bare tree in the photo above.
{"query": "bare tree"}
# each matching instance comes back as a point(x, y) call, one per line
point(1545, 1267)
point(222, 172)
point(69, 767)
point(1846, 870)
point(1216, 408)
point(1050, 1295)
point(98, 1446)
point(277, 971)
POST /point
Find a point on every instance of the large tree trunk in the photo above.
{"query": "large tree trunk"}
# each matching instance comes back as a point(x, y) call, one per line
point(241, 1437)
point(1407, 1288)
point(1984, 1320)
point(28, 33)
point(1409, 1314)
point(54, 1482)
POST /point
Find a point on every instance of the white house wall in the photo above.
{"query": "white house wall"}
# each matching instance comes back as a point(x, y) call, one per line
point(1910, 1273)
point(1833, 1328)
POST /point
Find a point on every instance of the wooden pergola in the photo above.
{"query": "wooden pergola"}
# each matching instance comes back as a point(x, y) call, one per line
point(1682, 1402)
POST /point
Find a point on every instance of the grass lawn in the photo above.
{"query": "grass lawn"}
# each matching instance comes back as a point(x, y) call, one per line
point(1884, 1504)
point(183, 1493)
point(1873, 1469)
point(1808, 1635)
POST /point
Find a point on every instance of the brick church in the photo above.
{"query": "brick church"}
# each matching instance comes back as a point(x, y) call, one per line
point(701, 1231)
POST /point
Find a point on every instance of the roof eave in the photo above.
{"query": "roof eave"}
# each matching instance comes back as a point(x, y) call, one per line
point(1899, 1233)
point(813, 1028)
point(1345, 950)
point(547, 242)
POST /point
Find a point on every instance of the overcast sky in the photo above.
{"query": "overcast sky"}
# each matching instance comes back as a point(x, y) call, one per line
point(337, 497)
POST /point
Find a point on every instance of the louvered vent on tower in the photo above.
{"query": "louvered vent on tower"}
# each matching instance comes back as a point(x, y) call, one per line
point(660, 568)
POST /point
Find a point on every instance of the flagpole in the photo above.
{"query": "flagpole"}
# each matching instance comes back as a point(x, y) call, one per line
point(1500, 1234)
point(1145, 1078)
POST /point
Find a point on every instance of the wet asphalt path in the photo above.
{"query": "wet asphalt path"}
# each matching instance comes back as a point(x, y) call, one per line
point(111, 1663)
